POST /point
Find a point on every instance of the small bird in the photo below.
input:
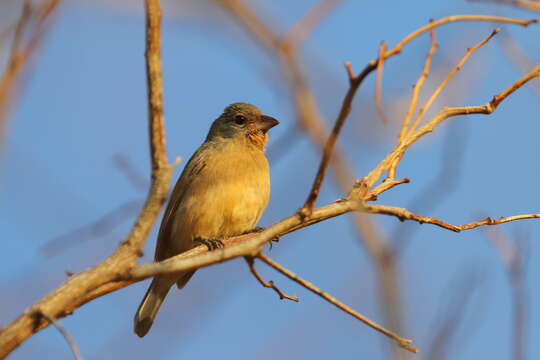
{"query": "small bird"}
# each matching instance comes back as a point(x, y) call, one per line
point(222, 192)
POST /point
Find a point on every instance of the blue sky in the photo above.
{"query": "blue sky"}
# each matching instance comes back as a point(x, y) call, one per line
point(85, 103)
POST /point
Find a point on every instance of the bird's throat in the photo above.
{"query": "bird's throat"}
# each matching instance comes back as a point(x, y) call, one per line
point(258, 139)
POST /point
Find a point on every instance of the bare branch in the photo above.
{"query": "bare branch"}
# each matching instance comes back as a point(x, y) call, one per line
point(354, 85)
point(446, 113)
point(404, 343)
point(267, 284)
point(73, 346)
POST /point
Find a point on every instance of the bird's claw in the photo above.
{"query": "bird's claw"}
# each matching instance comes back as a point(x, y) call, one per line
point(258, 229)
point(211, 244)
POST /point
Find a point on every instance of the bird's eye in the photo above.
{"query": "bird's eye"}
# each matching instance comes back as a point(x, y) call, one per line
point(240, 119)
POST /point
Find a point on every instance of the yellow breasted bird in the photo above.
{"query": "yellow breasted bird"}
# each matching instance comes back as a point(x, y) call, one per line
point(222, 192)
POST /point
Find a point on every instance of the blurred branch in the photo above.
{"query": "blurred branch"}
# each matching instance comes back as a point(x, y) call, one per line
point(72, 345)
point(301, 30)
point(518, 56)
point(32, 24)
point(100, 227)
point(451, 314)
point(514, 261)
point(267, 284)
point(136, 179)
point(378, 82)
point(524, 4)
point(404, 343)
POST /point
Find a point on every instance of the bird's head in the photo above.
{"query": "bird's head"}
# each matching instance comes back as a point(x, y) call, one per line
point(242, 121)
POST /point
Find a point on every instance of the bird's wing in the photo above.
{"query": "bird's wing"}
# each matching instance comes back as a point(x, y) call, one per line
point(194, 166)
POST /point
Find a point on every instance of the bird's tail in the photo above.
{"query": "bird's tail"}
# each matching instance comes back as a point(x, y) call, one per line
point(149, 307)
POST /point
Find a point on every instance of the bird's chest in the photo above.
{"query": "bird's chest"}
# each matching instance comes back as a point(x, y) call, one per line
point(230, 195)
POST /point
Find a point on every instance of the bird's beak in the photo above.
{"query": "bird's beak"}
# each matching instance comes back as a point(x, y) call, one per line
point(266, 123)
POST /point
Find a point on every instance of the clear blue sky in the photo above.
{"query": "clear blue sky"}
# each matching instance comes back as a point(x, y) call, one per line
point(85, 102)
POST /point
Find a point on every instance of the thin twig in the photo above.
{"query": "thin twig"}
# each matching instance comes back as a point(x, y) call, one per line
point(404, 343)
point(455, 18)
point(378, 82)
point(404, 214)
point(417, 87)
point(445, 81)
point(346, 107)
point(73, 346)
point(439, 188)
point(267, 284)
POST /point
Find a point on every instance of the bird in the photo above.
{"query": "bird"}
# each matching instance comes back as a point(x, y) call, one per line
point(222, 192)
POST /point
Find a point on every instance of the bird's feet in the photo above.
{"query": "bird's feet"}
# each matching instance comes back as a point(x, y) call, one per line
point(211, 244)
point(258, 229)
